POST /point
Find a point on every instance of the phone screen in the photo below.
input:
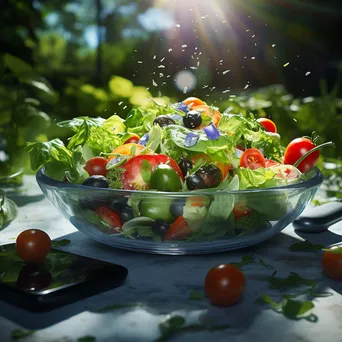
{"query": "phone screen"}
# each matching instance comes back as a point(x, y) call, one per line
point(62, 278)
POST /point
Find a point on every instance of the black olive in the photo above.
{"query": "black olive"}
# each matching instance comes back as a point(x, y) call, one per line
point(211, 175)
point(160, 227)
point(118, 203)
point(177, 206)
point(163, 120)
point(97, 181)
point(192, 119)
point(126, 214)
point(195, 182)
point(185, 165)
point(207, 176)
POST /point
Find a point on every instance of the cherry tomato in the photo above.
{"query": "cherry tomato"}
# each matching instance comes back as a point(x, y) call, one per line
point(193, 101)
point(332, 263)
point(222, 166)
point(268, 124)
point(97, 166)
point(252, 158)
point(205, 110)
point(165, 178)
point(224, 285)
point(133, 139)
point(240, 210)
point(296, 149)
point(33, 245)
point(128, 149)
point(178, 230)
point(132, 179)
point(109, 216)
point(270, 163)
point(155, 209)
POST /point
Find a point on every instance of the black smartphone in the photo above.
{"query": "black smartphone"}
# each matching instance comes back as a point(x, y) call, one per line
point(61, 279)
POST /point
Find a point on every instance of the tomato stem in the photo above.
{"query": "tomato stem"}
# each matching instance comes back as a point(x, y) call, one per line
point(327, 144)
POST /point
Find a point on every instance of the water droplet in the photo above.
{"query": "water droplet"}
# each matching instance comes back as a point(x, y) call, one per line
point(154, 83)
point(307, 73)
point(225, 72)
point(140, 62)
point(185, 90)
point(286, 64)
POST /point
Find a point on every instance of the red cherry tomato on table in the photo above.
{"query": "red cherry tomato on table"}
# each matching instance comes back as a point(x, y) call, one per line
point(224, 285)
point(97, 166)
point(252, 158)
point(133, 139)
point(193, 101)
point(268, 124)
point(332, 264)
point(296, 149)
point(33, 245)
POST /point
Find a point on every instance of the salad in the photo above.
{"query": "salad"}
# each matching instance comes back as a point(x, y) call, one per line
point(189, 150)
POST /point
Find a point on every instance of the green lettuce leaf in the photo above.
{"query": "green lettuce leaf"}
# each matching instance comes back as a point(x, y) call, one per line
point(217, 148)
point(268, 143)
point(259, 178)
point(58, 161)
point(8, 210)
point(96, 133)
point(216, 223)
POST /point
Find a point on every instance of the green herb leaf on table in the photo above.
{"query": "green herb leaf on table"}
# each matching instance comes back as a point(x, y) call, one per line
point(292, 309)
point(197, 295)
point(305, 246)
point(87, 338)
point(267, 266)
point(18, 334)
point(294, 280)
point(60, 243)
point(245, 260)
point(176, 324)
point(120, 306)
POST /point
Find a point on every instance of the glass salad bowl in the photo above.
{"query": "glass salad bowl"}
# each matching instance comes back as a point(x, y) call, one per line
point(176, 223)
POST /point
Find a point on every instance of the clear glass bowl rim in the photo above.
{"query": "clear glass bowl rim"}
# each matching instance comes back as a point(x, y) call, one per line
point(315, 181)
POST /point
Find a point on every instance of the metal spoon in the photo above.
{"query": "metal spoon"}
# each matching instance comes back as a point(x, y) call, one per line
point(319, 219)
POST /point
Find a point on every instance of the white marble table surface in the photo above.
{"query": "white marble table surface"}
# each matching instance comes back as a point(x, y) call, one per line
point(163, 285)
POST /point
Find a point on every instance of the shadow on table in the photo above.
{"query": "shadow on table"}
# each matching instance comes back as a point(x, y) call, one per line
point(163, 285)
